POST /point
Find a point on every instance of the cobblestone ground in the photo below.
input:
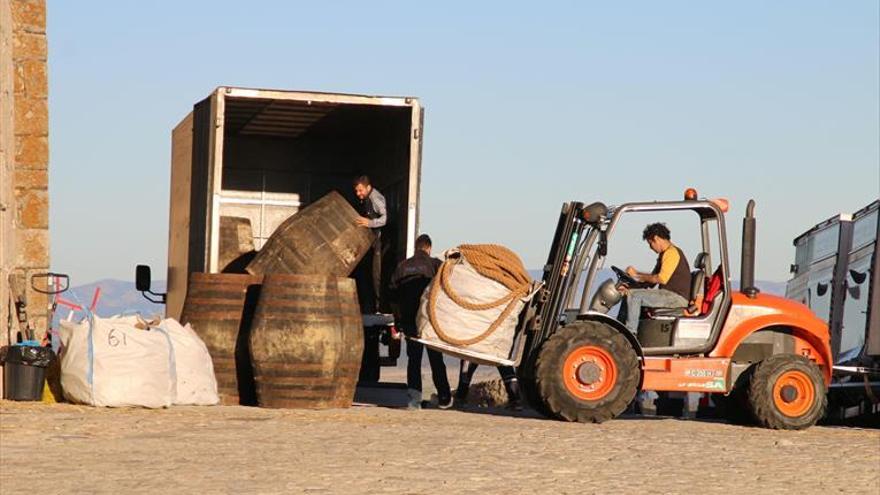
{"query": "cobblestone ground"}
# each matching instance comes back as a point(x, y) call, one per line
point(62, 448)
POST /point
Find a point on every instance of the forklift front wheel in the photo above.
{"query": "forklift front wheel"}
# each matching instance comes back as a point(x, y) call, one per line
point(587, 372)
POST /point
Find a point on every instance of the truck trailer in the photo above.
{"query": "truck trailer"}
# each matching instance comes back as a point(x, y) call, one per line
point(836, 273)
point(258, 156)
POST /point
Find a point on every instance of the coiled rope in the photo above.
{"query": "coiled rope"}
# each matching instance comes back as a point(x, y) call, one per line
point(491, 261)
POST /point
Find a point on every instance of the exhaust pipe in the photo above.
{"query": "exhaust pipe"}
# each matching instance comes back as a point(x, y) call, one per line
point(747, 270)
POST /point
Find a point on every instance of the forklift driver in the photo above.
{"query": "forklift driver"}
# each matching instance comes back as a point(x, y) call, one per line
point(671, 273)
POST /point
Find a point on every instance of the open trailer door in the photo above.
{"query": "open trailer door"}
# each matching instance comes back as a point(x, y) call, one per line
point(193, 149)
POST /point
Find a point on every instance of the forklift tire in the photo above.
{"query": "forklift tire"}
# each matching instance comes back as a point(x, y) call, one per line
point(787, 392)
point(587, 372)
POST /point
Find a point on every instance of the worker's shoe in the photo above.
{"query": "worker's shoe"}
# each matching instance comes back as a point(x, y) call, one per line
point(414, 402)
point(514, 402)
point(445, 402)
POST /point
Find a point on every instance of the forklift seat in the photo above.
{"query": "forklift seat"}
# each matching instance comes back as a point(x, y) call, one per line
point(669, 327)
point(713, 289)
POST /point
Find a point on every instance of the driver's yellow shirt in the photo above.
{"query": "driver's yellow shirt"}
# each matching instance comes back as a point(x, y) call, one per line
point(668, 263)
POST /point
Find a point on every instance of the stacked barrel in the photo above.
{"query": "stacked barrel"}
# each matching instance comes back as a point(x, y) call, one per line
point(289, 333)
point(220, 308)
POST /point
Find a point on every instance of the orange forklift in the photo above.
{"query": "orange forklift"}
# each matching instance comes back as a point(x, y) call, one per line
point(765, 359)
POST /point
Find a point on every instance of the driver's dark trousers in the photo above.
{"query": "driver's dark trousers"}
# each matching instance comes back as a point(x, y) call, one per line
point(635, 299)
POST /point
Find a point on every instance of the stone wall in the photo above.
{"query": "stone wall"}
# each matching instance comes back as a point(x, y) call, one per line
point(24, 157)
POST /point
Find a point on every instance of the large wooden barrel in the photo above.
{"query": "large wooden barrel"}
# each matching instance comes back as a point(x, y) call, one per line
point(220, 308)
point(320, 239)
point(306, 342)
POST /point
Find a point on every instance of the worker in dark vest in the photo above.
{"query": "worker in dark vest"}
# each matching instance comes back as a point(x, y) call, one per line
point(373, 215)
point(671, 274)
point(408, 282)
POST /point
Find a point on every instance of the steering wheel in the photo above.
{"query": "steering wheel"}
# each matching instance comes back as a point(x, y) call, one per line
point(623, 277)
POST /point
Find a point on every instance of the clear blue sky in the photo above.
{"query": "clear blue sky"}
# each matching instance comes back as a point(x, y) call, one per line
point(527, 106)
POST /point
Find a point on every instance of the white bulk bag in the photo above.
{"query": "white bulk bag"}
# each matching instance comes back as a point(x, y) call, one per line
point(462, 324)
point(194, 370)
point(112, 362)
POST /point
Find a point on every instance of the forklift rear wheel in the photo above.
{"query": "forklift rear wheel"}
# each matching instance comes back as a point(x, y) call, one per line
point(787, 392)
point(587, 372)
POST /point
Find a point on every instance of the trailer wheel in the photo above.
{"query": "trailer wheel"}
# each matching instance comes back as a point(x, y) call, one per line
point(587, 372)
point(787, 392)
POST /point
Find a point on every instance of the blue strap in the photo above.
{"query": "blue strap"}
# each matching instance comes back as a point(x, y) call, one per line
point(172, 362)
point(91, 354)
point(28, 343)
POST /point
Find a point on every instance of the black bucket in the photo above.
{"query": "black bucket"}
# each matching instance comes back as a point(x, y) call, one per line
point(24, 371)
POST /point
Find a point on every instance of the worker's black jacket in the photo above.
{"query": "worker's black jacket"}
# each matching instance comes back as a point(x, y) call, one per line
point(410, 279)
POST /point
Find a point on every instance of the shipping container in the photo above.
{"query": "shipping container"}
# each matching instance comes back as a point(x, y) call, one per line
point(264, 154)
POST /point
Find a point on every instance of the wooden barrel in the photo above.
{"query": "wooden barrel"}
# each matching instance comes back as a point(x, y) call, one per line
point(306, 342)
point(220, 307)
point(320, 239)
point(236, 239)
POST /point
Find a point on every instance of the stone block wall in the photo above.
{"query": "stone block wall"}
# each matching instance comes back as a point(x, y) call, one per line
point(24, 157)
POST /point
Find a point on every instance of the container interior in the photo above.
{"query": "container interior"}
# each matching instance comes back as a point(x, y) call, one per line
point(280, 155)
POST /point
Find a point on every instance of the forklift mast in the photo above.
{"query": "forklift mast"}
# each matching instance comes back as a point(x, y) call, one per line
point(547, 305)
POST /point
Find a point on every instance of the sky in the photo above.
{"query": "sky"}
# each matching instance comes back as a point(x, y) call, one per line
point(528, 105)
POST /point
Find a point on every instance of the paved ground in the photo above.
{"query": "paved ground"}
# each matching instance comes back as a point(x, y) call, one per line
point(63, 448)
